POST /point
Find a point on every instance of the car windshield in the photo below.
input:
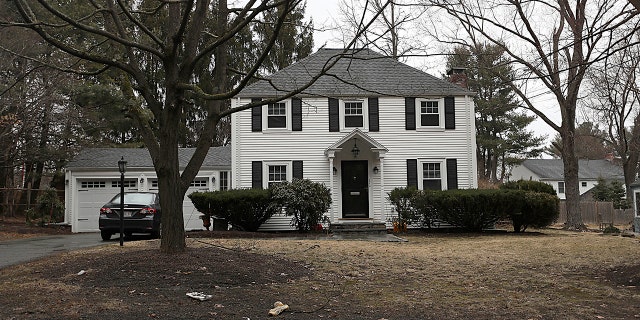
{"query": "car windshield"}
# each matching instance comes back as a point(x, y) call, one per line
point(136, 198)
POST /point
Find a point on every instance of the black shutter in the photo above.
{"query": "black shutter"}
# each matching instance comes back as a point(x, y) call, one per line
point(449, 113)
point(296, 114)
point(452, 174)
point(410, 113)
point(374, 118)
point(297, 169)
point(256, 116)
point(256, 174)
point(334, 115)
point(412, 173)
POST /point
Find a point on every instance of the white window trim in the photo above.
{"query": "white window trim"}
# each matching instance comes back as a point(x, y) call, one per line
point(419, 125)
point(443, 172)
point(265, 117)
point(365, 114)
point(265, 171)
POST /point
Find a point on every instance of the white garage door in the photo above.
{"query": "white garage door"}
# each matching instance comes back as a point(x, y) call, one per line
point(92, 195)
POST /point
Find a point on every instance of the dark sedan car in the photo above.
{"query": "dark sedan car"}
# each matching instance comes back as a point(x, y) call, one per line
point(141, 215)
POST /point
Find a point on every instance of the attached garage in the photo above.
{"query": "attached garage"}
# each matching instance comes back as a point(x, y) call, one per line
point(92, 179)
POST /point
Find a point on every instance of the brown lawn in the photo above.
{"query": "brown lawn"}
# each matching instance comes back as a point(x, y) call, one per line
point(548, 274)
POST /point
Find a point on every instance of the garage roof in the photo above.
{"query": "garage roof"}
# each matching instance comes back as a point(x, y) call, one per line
point(100, 158)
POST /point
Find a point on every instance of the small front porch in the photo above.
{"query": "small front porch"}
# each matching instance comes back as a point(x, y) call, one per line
point(356, 179)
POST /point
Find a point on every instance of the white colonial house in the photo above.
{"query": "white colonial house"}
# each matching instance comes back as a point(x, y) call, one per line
point(551, 171)
point(369, 125)
point(92, 179)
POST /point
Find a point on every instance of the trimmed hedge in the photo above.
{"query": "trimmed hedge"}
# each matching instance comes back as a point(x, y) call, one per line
point(245, 209)
point(538, 210)
point(529, 185)
point(475, 210)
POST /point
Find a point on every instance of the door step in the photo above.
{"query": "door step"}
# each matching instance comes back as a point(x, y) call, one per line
point(360, 227)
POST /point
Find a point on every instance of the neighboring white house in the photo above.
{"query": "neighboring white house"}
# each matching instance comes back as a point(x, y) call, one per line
point(551, 171)
point(92, 179)
point(370, 125)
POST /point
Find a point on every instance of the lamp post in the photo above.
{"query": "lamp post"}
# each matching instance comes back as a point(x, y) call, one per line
point(122, 166)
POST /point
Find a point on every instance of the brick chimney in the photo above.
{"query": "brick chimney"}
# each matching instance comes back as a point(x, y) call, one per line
point(609, 156)
point(458, 76)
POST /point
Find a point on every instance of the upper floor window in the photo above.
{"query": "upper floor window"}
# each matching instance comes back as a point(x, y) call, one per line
point(277, 115)
point(353, 115)
point(561, 187)
point(431, 113)
point(584, 183)
point(431, 176)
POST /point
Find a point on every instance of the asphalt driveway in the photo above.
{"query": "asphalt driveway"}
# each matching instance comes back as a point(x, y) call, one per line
point(18, 251)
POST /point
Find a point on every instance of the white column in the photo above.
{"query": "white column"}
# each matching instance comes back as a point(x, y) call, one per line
point(382, 193)
point(331, 187)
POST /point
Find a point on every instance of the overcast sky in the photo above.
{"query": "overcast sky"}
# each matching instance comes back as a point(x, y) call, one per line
point(324, 14)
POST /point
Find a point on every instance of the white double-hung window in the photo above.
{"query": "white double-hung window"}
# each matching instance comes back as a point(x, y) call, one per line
point(431, 113)
point(432, 175)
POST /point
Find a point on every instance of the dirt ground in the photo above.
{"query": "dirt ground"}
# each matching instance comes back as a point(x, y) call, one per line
point(12, 228)
point(545, 274)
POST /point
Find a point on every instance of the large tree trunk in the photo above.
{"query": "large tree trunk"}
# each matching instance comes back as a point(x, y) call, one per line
point(571, 181)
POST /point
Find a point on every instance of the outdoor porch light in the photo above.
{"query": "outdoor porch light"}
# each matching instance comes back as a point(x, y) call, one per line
point(335, 171)
point(355, 150)
point(376, 170)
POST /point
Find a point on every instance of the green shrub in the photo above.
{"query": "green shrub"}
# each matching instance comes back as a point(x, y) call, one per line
point(529, 185)
point(470, 209)
point(537, 210)
point(245, 209)
point(475, 210)
point(48, 209)
point(305, 200)
point(402, 201)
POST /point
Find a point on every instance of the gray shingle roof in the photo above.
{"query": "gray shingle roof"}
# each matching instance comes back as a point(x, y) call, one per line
point(140, 158)
point(361, 72)
point(553, 169)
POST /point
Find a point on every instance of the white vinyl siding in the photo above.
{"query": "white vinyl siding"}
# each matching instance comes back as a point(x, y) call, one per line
point(310, 144)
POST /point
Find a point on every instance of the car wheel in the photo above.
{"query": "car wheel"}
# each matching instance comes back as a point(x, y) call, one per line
point(106, 236)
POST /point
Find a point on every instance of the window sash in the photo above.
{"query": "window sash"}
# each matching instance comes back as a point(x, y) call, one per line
point(353, 115)
point(224, 180)
point(276, 173)
point(429, 113)
point(560, 187)
point(277, 115)
point(431, 176)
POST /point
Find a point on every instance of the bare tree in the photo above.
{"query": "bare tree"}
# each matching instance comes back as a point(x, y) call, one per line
point(163, 64)
point(553, 44)
point(391, 33)
point(614, 84)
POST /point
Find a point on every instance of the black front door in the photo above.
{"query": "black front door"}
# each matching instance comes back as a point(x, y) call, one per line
point(355, 183)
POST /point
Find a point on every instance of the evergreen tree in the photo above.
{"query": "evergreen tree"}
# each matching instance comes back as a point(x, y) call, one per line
point(501, 135)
